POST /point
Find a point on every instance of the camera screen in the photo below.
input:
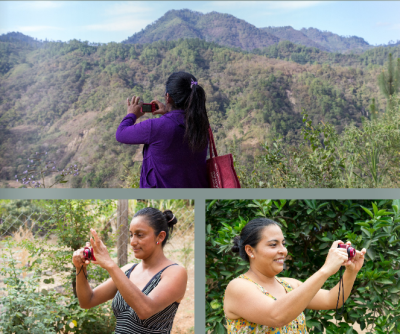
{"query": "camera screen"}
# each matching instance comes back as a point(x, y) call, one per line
point(146, 108)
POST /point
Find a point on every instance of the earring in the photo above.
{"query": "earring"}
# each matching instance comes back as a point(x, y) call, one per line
point(252, 256)
point(157, 242)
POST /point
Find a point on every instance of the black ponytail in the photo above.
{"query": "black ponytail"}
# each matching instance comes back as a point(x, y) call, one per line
point(189, 96)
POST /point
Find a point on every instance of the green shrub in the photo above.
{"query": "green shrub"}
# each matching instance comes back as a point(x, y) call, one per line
point(27, 310)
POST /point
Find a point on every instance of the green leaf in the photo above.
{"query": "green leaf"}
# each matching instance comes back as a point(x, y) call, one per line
point(220, 329)
point(384, 281)
point(367, 211)
point(375, 209)
point(211, 204)
point(215, 304)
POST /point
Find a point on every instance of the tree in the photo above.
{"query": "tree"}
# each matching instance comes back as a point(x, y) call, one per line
point(389, 82)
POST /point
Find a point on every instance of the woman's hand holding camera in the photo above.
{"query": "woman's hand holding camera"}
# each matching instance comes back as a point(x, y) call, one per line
point(100, 251)
point(338, 257)
point(135, 107)
point(78, 259)
point(355, 264)
point(161, 108)
point(103, 259)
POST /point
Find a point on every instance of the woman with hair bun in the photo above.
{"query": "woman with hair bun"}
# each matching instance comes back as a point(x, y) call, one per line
point(175, 150)
point(145, 296)
point(261, 302)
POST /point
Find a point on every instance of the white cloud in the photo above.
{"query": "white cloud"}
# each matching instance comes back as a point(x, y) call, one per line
point(293, 4)
point(261, 5)
point(42, 4)
point(383, 24)
point(395, 26)
point(123, 24)
point(27, 29)
point(126, 8)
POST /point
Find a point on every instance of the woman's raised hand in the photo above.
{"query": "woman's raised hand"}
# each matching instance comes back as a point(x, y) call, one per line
point(78, 259)
point(336, 258)
point(356, 262)
point(135, 107)
point(100, 251)
point(161, 108)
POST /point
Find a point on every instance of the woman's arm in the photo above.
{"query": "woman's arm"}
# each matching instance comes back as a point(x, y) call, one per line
point(244, 300)
point(87, 297)
point(130, 133)
point(171, 288)
point(327, 299)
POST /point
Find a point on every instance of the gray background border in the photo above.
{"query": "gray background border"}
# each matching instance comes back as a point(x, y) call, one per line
point(199, 195)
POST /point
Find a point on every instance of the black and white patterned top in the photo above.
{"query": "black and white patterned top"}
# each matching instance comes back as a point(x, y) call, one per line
point(128, 321)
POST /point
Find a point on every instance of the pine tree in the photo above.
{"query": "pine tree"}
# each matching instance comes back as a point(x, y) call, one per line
point(389, 81)
point(372, 109)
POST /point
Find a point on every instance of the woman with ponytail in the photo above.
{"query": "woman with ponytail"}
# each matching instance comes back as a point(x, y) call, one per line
point(146, 295)
point(175, 150)
point(261, 302)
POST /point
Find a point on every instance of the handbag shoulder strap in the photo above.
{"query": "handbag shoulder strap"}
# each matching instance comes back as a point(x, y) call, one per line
point(211, 143)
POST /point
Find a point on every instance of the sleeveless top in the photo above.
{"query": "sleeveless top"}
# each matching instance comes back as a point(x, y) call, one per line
point(242, 326)
point(128, 321)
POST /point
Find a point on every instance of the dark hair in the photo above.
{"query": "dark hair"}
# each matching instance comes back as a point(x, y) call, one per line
point(251, 235)
point(159, 221)
point(190, 97)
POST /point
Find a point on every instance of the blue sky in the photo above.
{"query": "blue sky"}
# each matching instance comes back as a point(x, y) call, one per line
point(101, 21)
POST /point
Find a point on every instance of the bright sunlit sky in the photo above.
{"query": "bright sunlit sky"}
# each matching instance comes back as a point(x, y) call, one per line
point(114, 21)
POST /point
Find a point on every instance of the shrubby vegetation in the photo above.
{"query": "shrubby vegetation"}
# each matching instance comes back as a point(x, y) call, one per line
point(359, 157)
point(310, 227)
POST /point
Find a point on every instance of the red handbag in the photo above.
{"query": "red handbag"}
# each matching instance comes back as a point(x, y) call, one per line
point(220, 170)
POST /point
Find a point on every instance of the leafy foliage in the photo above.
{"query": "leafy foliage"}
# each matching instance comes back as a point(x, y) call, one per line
point(359, 157)
point(310, 227)
point(25, 309)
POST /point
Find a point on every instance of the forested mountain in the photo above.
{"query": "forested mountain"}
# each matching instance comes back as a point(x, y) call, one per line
point(68, 99)
point(335, 43)
point(292, 35)
point(228, 30)
point(223, 29)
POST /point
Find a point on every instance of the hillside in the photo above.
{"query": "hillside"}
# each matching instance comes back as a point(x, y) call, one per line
point(223, 29)
point(335, 43)
point(292, 35)
point(68, 99)
point(230, 31)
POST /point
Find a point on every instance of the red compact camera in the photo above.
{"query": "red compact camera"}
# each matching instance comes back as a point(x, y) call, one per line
point(149, 107)
point(350, 250)
point(88, 253)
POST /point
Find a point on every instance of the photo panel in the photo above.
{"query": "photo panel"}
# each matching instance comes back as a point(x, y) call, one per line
point(286, 266)
point(289, 97)
point(97, 266)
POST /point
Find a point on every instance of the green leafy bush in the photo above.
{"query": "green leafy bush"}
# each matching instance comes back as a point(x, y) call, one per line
point(26, 309)
point(310, 227)
point(359, 157)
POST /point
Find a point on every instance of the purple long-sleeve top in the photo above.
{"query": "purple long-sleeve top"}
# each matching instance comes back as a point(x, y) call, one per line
point(168, 162)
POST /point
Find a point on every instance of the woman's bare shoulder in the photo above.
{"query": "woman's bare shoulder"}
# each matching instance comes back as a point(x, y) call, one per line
point(127, 267)
point(175, 269)
point(239, 285)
